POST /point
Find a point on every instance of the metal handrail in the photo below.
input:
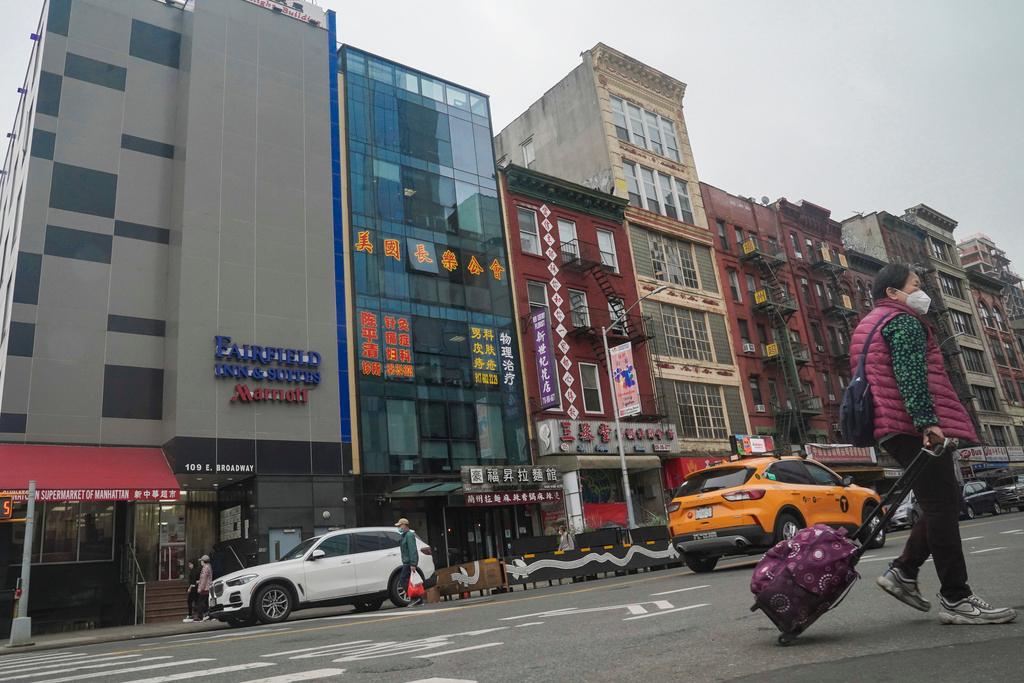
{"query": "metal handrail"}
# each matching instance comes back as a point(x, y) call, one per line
point(133, 575)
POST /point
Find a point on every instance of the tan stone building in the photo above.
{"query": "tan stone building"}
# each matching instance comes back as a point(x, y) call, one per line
point(616, 124)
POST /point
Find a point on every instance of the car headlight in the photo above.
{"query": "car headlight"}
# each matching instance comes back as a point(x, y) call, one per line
point(242, 580)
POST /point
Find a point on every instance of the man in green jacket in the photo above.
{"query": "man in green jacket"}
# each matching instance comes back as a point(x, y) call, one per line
point(410, 556)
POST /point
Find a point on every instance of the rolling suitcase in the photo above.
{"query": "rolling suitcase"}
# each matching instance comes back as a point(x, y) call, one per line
point(800, 579)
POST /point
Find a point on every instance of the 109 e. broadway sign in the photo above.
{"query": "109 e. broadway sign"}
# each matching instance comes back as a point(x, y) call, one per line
point(590, 436)
point(274, 364)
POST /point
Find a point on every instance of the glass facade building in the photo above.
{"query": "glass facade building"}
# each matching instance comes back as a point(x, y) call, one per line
point(432, 306)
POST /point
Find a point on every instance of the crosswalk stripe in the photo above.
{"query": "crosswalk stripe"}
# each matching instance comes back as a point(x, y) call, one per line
point(972, 538)
point(36, 655)
point(318, 647)
point(1013, 531)
point(230, 633)
point(667, 611)
point(442, 653)
point(986, 550)
point(300, 676)
point(130, 670)
point(77, 666)
point(681, 590)
point(10, 664)
point(186, 675)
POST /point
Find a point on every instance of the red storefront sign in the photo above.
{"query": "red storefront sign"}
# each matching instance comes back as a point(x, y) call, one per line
point(513, 498)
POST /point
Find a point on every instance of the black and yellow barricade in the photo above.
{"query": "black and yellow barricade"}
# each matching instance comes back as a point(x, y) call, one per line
point(647, 547)
point(470, 577)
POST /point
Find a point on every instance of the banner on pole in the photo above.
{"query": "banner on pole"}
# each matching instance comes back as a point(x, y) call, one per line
point(627, 392)
point(547, 374)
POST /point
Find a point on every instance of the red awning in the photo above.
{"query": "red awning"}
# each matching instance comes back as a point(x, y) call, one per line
point(86, 473)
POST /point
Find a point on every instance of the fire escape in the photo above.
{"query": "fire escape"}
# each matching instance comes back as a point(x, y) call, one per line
point(840, 309)
point(586, 321)
point(773, 302)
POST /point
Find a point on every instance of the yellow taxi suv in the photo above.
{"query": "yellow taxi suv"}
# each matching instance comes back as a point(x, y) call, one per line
point(746, 506)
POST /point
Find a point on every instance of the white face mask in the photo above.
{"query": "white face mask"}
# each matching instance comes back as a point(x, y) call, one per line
point(919, 301)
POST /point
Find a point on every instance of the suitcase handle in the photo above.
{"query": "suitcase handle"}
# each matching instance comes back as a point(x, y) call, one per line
point(899, 492)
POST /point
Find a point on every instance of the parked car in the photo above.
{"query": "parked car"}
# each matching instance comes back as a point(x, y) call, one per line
point(979, 499)
point(747, 506)
point(1010, 491)
point(906, 514)
point(351, 566)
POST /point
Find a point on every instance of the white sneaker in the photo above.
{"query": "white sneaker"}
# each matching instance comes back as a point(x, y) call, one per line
point(973, 610)
point(207, 618)
point(187, 620)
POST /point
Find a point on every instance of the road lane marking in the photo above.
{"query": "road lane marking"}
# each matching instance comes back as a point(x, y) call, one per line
point(1013, 531)
point(444, 653)
point(879, 559)
point(986, 550)
point(549, 613)
point(972, 538)
point(118, 672)
point(223, 635)
point(43, 659)
point(318, 647)
point(443, 680)
point(668, 611)
point(483, 631)
point(416, 613)
point(529, 623)
point(36, 655)
point(299, 676)
point(679, 590)
point(205, 672)
point(80, 667)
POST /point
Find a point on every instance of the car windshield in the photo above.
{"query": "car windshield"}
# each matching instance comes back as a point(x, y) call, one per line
point(300, 550)
point(712, 480)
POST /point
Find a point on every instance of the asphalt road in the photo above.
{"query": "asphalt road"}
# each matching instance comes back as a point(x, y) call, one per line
point(669, 625)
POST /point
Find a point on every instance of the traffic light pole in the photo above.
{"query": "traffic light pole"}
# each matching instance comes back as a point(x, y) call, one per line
point(21, 627)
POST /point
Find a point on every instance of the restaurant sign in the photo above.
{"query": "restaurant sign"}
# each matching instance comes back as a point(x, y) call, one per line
point(518, 477)
point(557, 437)
point(514, 498)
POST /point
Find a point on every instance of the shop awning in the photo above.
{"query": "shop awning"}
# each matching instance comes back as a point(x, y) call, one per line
point(87, 472)
point(426, 488)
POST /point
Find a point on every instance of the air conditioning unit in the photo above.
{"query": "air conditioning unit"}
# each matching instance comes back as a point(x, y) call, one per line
point(832, 398)
point(799, 254)
point(820, 348)
point(760, 408)
point(835, 427)
point(749, 348)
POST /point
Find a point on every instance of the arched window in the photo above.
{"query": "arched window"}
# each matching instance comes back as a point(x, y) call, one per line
point(986, 317)
point(998, 315)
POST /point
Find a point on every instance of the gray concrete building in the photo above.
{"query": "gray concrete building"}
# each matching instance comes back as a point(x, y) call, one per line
point(169, 283)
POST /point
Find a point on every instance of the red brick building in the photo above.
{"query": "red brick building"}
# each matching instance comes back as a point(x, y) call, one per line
point(570, 254)
point(791, 310)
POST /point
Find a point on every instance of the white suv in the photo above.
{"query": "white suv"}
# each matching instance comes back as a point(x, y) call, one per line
point(352, 566)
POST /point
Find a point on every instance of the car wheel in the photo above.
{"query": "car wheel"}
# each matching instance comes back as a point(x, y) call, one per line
point(997, 509)
point(786, 527)
point(273, 604)
point(879, 541)
point(970, 512)
point(398, 593)
point(368, 605)
point(699, 564)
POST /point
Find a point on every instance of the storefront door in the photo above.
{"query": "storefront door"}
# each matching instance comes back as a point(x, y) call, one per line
point(479, 533)
point(282, 541)
point(171, 554)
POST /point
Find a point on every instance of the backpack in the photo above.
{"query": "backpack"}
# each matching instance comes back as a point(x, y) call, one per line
point(857, 411)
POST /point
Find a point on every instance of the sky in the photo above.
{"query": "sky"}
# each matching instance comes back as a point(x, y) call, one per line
point(856, 107)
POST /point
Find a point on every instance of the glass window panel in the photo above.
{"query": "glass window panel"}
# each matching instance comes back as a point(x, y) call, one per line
point(537, 293)
point(606, 245)
point(432, 89)
point(636, 125)
point(403, 431)
point(578, 308)
point(336, 546)
point(668, 132)
point(407, 81)
point(590, 387)
point(632, 184)
point(96, 532)
point(457, 97)
point(529, 237)
point(478, 105)
point(467, 211)
point(484, 151)
point(433, 420)
point(463, 454)
point(683, 196)
point(668, 196)
point(463, 149)
point(381, 71)
point(60, 533)
point(701, 413)
point(463, 420)
point(83, 190)
point(653, 133)
point(491, 428)
point(619, 119)
point(567, 238)
point(686, 333)
point(650, 190)
point(155, 44)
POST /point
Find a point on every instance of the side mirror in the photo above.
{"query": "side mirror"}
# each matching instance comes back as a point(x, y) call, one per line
point(847, 480)
point(317, 554)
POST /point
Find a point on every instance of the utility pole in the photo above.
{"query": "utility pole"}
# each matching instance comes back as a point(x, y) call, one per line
point(21, 627)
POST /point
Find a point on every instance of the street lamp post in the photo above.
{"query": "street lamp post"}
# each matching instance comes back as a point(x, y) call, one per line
point(615, 404)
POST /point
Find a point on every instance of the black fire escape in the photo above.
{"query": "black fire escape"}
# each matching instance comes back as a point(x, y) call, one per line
point(840, 308)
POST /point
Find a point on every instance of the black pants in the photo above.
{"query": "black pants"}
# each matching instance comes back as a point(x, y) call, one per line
point(937, 532)
point(203, 604)
point(403, 577)
point(192, 598)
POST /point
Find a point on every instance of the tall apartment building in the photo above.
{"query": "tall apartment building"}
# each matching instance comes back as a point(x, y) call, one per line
point(978, 252)
point(791, 310)
point(616, 125)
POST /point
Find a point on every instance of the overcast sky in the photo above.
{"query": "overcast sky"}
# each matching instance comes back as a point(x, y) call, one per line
point(854, 106)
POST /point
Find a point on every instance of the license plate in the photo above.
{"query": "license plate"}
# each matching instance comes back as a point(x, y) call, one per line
point(703, 513)
point(705, 534)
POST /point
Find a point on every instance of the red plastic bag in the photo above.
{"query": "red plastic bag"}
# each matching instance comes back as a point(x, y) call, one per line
point(415, 588)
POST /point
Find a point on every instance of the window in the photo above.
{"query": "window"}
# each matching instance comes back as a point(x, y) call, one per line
point(644, 129)
point(1020, 434)
point(1011, 357)
point(744, 331)
point(833, 339)
point(962, 322)
point(403, 431)
point(940, 250)
point(734, 286)
point(591, 388)
point(999, 435)
point(986, 397)
point(723, 238)
point(819, 341)
point(790, 472)
point(821, 476)
point(796, 245)
point(660, 193)
point(673, 261)
point(83, 190)
point(616, 309)
point(997, 353)
point(762, 334)
point(1011, 391)
point(606, 245)
point(528, 156)
point(537, 294)
point(826, 381)
point(335, 546)
point(810, 247)
point(94, 71)
point(751, 285)
point(567, 239)
point(740, 238)
point(529, 235)
point(69, 532)
point(974, 360)
point(155, 44)
point(701, 415)
point(133, 392)
point(997, 315)
point(805, 289)
point(755, 390)
point(686, 332)
point(580, 316)
point(950, 286)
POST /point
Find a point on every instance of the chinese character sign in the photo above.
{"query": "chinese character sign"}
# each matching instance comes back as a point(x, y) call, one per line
point(422, 256)
point(484, 352)
point(547, 375)
point(397, 347)
point(508, 365)
point(369, 344)
point(627, 392)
